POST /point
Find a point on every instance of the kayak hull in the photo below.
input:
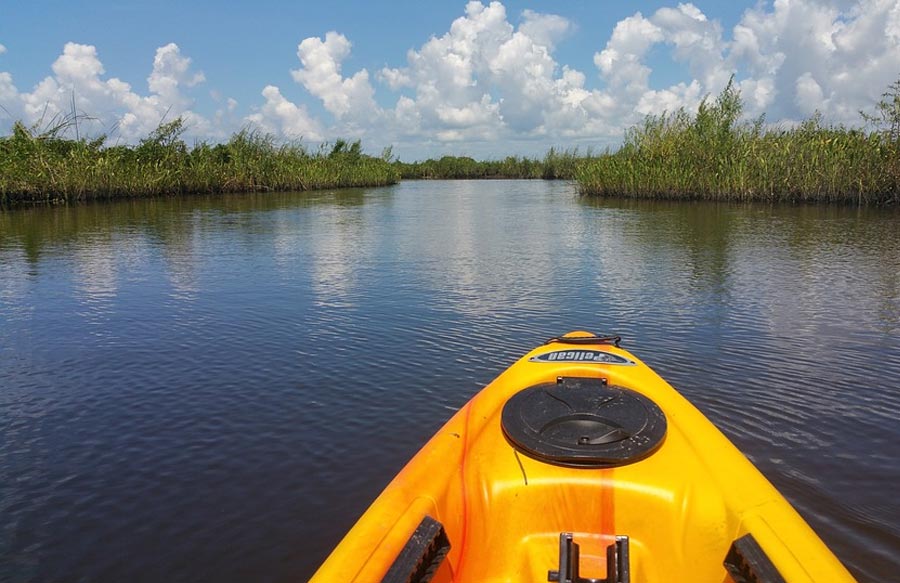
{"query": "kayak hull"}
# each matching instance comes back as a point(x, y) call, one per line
point(502, 510)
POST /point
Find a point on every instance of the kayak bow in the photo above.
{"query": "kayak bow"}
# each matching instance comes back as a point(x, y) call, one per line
point(580, 464)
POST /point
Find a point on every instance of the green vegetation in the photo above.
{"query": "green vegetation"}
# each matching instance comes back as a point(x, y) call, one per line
point(711, 155)
point(708, 155)
point(555, 165)
point(47, 167)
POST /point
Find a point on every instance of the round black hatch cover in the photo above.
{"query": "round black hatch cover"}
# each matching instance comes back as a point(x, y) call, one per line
point(583, 423)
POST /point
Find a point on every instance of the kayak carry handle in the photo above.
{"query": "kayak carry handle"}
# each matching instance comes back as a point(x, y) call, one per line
point(617, 563)
point(593, 339)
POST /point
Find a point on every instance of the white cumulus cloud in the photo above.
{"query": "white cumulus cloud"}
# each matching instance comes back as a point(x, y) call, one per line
point(834, 57)
point(171, 69)
point(280, 116)
point(790, 58)
point(321, 75)
point(486, 79)
point(545, 29)
point(491, 83)
point(78, 76)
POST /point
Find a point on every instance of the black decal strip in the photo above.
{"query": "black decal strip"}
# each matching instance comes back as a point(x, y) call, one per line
point(591, 356)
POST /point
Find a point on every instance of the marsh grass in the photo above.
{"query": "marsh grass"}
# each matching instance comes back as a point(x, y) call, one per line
point(46, 167)
point(711, 155)
point(708, 155)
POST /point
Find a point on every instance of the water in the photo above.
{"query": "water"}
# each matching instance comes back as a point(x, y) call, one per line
point(215, 388)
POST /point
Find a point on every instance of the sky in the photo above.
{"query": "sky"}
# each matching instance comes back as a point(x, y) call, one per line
point(483, 79)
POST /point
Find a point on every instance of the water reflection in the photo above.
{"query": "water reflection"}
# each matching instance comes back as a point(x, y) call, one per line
point(96, 271)
point(820, 256)
point(477, 247)
point(15, 282)
point(337, 253)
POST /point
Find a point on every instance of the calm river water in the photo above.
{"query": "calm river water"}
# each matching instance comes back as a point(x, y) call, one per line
point(215, 388)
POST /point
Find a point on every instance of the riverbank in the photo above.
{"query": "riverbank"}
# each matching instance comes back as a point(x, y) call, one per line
point(709, 155)
point(712, 156)
point(48, 168)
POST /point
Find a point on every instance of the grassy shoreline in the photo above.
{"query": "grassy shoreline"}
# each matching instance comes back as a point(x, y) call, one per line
point(47, 168)
point(712, 156)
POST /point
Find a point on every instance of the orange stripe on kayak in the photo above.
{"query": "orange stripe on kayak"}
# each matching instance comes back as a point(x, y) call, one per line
point(463, 491)
point(607, 506)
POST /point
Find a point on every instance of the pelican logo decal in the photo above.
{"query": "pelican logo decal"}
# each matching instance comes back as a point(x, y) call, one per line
point(595, 356)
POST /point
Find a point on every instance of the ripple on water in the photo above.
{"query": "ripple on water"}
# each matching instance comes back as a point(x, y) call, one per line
point(215, 388)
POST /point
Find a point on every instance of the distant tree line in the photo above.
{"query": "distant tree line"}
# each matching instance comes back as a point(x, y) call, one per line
point(556, 164)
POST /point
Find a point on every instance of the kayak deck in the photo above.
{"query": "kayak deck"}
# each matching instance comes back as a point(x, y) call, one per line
point(501, 513)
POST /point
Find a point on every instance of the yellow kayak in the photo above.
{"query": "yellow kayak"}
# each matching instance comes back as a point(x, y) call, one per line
point(580, 464)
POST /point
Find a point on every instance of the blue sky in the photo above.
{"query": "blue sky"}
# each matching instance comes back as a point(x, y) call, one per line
point(483, 79)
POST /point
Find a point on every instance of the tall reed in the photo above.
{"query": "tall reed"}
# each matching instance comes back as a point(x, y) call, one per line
point(44, 166)
point(711, 155)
